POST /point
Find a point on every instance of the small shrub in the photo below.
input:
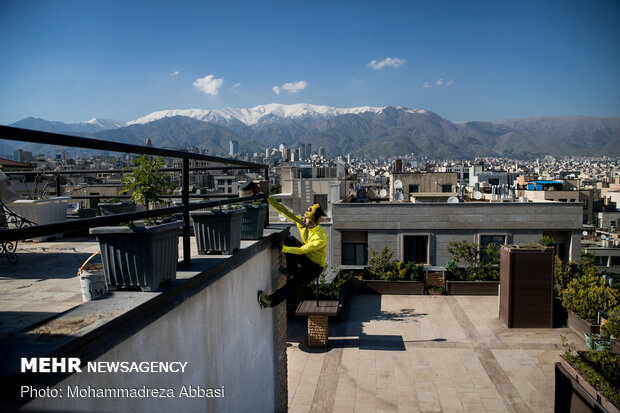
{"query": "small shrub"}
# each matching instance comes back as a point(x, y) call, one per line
point(480, 264)
point(589, 294)
point(611, 328)
point(382, 266)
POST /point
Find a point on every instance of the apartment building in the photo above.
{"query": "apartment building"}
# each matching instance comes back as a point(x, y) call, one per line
point(421, 232)
point(422, 186)
point(305, 186)
point(568, 190)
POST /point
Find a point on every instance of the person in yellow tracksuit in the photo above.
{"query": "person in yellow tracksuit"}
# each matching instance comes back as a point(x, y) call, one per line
point(305, 260)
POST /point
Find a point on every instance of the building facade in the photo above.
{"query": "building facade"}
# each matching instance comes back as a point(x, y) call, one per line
point(421, 232)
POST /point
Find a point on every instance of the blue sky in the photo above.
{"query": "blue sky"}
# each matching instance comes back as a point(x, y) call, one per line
point(479, 60)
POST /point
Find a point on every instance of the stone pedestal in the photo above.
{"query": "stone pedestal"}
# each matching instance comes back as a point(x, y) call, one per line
point(317, 331)
point(318, 318)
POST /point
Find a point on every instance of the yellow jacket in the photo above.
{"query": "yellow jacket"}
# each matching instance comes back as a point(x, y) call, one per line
point(314, 239)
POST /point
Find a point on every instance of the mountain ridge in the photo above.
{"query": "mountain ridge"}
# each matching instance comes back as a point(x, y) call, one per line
point(366, 130)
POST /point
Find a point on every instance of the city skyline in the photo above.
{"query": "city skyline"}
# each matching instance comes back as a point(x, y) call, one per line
point(73, 61)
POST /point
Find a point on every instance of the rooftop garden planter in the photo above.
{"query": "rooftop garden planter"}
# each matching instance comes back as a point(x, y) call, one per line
point(218, 230)
point(390, 287)
point(587, 380)
point(143, 255)
point(253, 221)
point(472, 287)
point(581, 326)
point(113, 208)
point(388, 276)
point(139, 256)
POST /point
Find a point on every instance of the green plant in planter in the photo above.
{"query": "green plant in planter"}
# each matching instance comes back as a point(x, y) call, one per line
point(601, 369)
point(611, 328)
point(588, 294)
point(480, 264)
point(565, 272)
point(146, 182)
point(382, 266)
point(327, 290)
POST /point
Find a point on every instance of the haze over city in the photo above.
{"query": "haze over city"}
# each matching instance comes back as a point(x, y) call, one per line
point(73, 61)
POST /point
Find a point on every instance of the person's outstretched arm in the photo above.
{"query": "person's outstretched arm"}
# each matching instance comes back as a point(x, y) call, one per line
point(284, 211)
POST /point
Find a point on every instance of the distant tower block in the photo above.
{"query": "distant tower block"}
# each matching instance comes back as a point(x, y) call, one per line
point(234, 147)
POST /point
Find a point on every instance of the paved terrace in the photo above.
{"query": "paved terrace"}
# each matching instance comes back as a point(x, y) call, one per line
point(397, 353)
point(387, 353)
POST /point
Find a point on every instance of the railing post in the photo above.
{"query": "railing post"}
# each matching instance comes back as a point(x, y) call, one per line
point(185, 200)
point(58, 185)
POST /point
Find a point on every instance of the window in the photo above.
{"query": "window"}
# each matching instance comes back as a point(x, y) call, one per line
point(600, 261)
point(354, 248)
point(446, 188)
point(485, 240)
point(615, 261)
point(414, 188)
point(498, 240)
point(494, 181)
point(415, 248)
point(220, 181)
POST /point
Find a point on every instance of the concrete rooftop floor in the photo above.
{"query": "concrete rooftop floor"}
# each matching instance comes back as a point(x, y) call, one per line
point(399, 353)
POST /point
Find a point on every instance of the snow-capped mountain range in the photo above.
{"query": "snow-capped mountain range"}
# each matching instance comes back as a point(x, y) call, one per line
point(365, 130)
point(252, 116)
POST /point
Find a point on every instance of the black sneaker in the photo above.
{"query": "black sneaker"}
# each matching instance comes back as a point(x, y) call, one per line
point(263, 300)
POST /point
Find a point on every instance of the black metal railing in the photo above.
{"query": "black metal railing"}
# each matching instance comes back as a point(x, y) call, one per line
point(26, 135)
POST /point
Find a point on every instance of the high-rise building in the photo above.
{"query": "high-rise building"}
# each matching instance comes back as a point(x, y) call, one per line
point(234, 147)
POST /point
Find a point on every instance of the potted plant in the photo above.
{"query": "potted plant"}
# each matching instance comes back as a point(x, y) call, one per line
point(253, 220)
point(611, 329)
point(584, 297)
point(333, 285)
point(218, 230)
point(436, 290)
point(388, 276)
point(114, 206)
point(143, 254)
point(480, 273)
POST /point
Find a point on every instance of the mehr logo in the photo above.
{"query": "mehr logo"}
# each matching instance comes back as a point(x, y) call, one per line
point(51, 365)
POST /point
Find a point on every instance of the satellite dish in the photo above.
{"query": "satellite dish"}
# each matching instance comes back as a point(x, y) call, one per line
point(398, 196)
point(603, 236)
point(584, 233)
point(383, 193)
point(477, 195)
point(453, 200)
point(398, 184)
point(281, 217)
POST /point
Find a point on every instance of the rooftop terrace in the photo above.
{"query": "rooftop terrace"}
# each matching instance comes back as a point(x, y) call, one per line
point(397, 353)
point(387, 353)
